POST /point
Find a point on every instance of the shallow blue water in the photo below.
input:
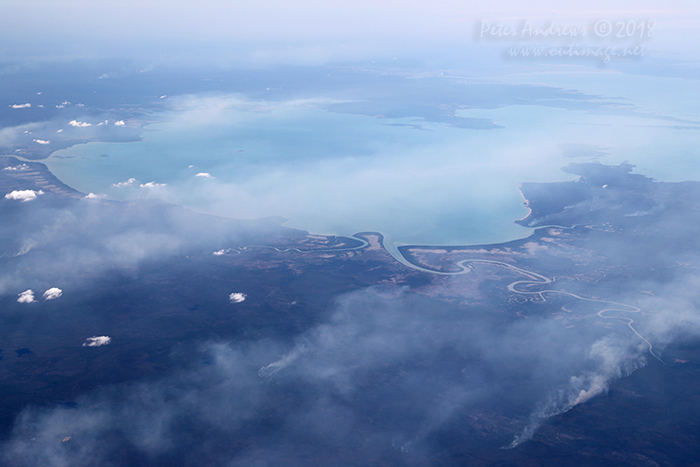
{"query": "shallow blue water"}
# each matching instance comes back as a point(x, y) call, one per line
point(339, 174)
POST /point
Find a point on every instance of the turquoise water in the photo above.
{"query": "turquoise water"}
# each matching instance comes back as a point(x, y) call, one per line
point(340, 174)
point(662, 134)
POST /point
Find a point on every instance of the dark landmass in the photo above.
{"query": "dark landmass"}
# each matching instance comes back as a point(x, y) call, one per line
point(611, 235)
point(39, 102)
point(18, 175)
point(338, 354)
point(610, 196)
point(27, 148)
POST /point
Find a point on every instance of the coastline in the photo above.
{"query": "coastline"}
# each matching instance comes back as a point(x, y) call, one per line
point(16, 174)
point(38, 176)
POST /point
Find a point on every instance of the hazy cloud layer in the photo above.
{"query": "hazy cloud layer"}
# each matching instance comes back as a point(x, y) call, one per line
point(384, 377)
point(299, 32)
point(84, 237)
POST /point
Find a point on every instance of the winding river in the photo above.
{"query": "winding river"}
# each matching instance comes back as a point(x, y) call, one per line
point(518, 287)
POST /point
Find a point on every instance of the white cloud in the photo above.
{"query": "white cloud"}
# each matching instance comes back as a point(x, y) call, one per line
point(26, 297)
point(152, 185)
point(53, 292)
point(59, 131)
point(17, 167)
point(129, 182)
point(21, 106)
point(97, 341)
point(237, 297)
point(42, 141)
point(204, 175)
point(79, 124)
point(93, 196)
point(219, 253)
point(23, 195)
point(119, 123)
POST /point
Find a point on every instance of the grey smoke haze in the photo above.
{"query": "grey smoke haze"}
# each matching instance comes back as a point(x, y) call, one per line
point(615, 358)
point(387, 373)
point(50, 240)
point(385, 377)
point(668, 317)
